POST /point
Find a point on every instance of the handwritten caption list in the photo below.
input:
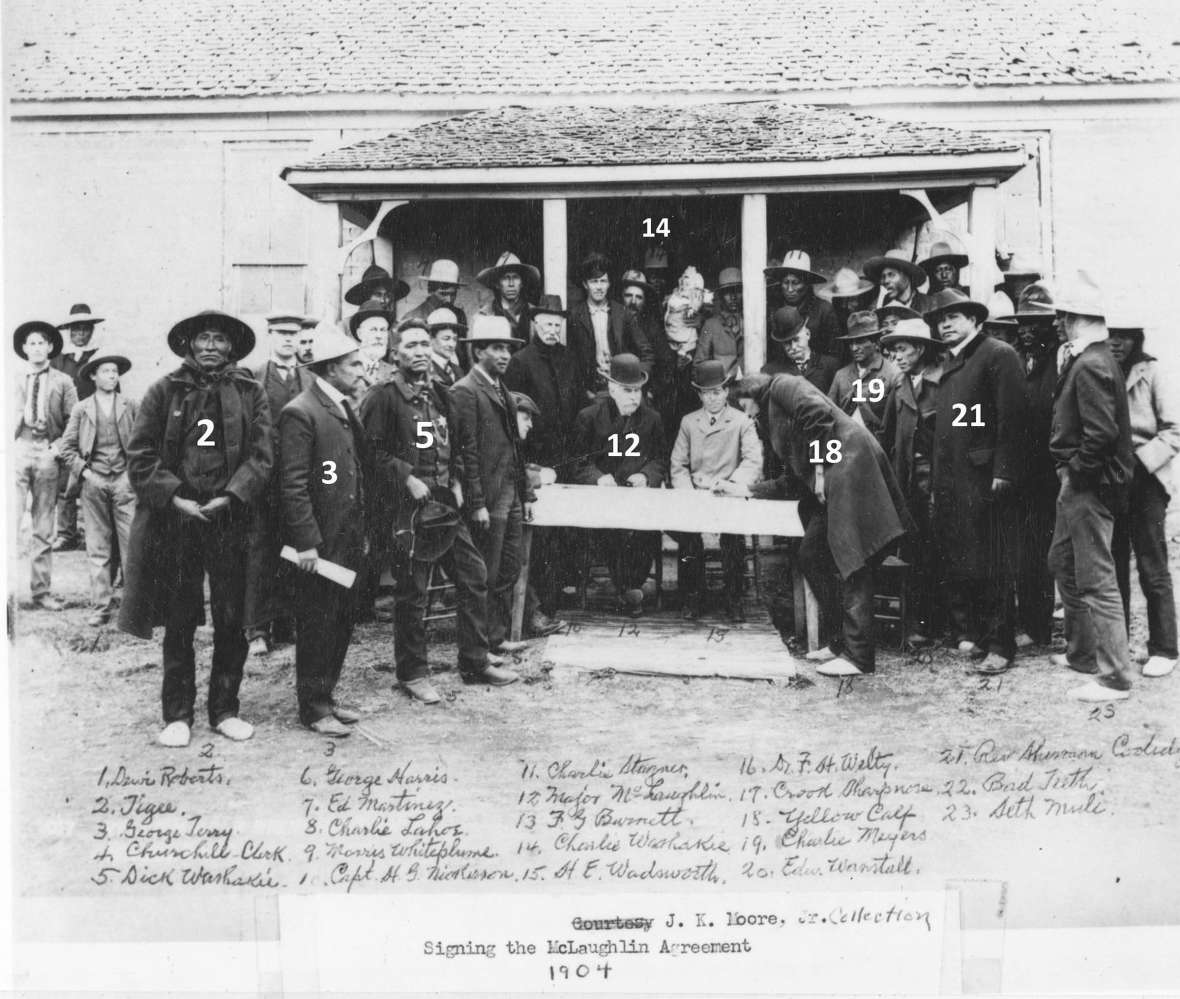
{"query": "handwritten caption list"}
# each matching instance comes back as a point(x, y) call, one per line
point(633, 820)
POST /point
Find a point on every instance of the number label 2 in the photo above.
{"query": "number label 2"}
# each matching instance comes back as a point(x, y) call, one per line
point(875, 394)
point(632, 447)
point(206, 439)
point(961, 411)
point(662, 229)
point(831, 457)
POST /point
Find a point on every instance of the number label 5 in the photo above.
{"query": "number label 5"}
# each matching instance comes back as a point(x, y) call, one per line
point(425, 434)
point(832, 456)
point(632, 447)
point(329, 472)
point(206, 439)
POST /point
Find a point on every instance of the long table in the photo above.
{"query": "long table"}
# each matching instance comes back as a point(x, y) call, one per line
point(690, 510)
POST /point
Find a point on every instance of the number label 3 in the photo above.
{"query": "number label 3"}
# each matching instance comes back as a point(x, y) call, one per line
point(329, 473)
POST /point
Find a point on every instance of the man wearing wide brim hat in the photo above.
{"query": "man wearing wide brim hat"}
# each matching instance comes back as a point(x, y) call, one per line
point(722, 337)
point(1091, 447)
point(621, 441)
point(863, 386)
point(442, 289)
point(797, 284)
point(377, 283)
point(1001, 319)
point(890, 315)
point(94, 451)
point(949, 300)
point(199, 460)
point(446, 329)
point(1023, 269)
point(325, 477)
point(847, 287)
point(899, 279)
point(513, 285)
point(943, 266)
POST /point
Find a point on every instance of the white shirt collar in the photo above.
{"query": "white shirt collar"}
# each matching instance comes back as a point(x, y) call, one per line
point(442, 359)
point(332, 393)
point(962, 344)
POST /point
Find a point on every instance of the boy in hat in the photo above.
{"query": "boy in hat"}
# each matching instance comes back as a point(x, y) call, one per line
point(199, 459)
point(622, 441)
point(864, 384)
point(445, 330)
point(797, 283)
point(721, 335)
point(943, 268)
point(407, 423)
point(717, 446)
point(513, 285)
point(370, 325)
point(44, 399)
point(377, 285)
point(1155, 437)
point(980, 455)
point(94, 449)
point(324, 483)
point(899, 279)
point(497, 495)
point(600, 328)
point(442, 288)
point(790, 330)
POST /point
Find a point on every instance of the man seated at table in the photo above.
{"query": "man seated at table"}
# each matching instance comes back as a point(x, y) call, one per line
point(717, 445)
point(622, 441)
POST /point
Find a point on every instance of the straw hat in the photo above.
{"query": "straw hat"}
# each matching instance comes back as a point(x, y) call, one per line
point(444, 319)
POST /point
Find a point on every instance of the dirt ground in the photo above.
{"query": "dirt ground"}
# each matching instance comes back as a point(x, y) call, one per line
point(88, 699)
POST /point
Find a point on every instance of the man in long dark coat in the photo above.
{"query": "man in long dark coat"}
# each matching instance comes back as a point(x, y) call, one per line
point(979, 460)
point(852, 508)
point(199, 458)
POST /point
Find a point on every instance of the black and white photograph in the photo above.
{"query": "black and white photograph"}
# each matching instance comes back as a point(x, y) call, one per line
point(664, 499)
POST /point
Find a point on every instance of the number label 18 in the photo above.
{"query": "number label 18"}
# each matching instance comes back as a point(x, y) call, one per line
point(831, 457)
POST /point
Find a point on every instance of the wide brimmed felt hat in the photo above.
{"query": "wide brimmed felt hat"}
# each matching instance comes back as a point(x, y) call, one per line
point(80, 315)
point(549, 305)
point(507, 262)
point(897, 259)
point(795, 262)
point(118, 360)
point(370, 309)
point(942, 253)
point(1036, 303)
point(442, 272)
point(949, 300)
point(912, 330)
point(240, 335)
point(426, 531)
point(1080, 295)
point(444, 318)
point(525, 404)
point(862, 326)
point(1000, 311)
point(47, 330)
point(625, 369)
point(637, 279)
point(786, 323)
point(284, 322)
point(709, 375)
point(730, 277)
point(897, 310)
point(373, 278)
point(846, 284)
point(330, 344)
point(491, 329)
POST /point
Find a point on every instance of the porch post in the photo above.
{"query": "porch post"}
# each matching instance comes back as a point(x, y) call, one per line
point(556, 251)
point(754, 243)
point(982, 216)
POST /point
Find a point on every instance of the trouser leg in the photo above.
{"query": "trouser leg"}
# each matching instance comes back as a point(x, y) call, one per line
point(225, 562)
point(67, 515)
point(819, 569)
point(179, 689)
point(409, 625)
point(44, 486)
point(1149, 508)
point(733, 565)
point(467, 570)
point(690, 566)
point(857, 633)
point(499, 544)
point(98, 500)
point(323, 631)
point(123, 512)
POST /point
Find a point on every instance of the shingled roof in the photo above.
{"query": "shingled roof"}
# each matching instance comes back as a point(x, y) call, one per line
point(750, 132)
point(147, 49)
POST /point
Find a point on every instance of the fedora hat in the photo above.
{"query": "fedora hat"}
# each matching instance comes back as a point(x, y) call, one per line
point(710, 374)
point(950, 300)
point(861, 326)
point(370, 309)
point(426, 531)
point(786, 324)
point(47, 330)
point(443, 318)
point(730, 277)
point(625, 369)
point(636, 279)
point(375, 277)
point(846, 284)
point(491, 329)
point(241, 337)
point(897, 311)
point(942, 253)
point(549, 305)
point(1000, 311)
point(442, 272)
point(795, 262)
point(1036, 302)
point(330, 344)
point(80, 315)
point(120, 362)
point(1080, 295)
point(507, 262)
point(525, 404)
point(913, 330)
point(899, 260)
point(284, 322)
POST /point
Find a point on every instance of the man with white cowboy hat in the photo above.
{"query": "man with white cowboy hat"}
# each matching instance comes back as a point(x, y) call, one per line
point(325, 479)
point(622, 440)
point(1091, 447)
point(943, 267)
point(498, 497)
point(442, 288)
point(980, 456)
point(371, 325)
point(797, 283)
point(848, 292)
point(513, 285)
point(199, 458)
point(44, 398)
point(94, 449)
point(863, 386)
point(899, 279)
point(376, 284)
point(721, 335)
point(410, 433)
point(716, 447)
point(446, 330)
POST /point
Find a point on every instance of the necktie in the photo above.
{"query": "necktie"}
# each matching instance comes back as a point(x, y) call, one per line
point(285, 371)
point(35, 417)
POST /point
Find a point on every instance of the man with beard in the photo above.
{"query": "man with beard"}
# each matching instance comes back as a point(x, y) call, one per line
point(199, 458)
point(601, 329)
point(797, 282)
point(442, 288)
point(864, 385)
point(445, 330)
point(642, 301)
point(513, 285)
point(370, 326)
point(899, 279)
point(721, 336)
point(943, 268)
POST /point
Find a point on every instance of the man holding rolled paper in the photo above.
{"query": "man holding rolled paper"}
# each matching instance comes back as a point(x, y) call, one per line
point(322, 481)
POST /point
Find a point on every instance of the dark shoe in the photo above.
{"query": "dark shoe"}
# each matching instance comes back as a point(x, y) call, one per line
point(541, 625)
point(346, 714)
point(48, 603)
point(507, 648)
point(421, 690)
point(495, 676)
point(331, 726)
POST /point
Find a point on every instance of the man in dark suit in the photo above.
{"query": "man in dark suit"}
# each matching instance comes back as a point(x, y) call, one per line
point(498, 496)
point(323, 472)
point(601, 329)
point(790, 328)
point(1091, 447)
point(980, 457)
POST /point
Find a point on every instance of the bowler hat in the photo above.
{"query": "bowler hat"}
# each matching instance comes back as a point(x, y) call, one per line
point(51, 333)
point(636, 279)
point(625, 369)
point(507, 262)
point(710, 374)
point(941, 253)
point(898, 260)
point(549, 305)
point(427, 530)
point(120, 362)
point(861, 326)
point(442, 272)
point(370, 309)
point(525, 404)
point(80, 315)
point(373, 278)
point(443, 318)
point(786, 324)
point(949, 300)
point(1080, 295)
point(846, 284)
point(491, 329)
point(330, 344)
point(795, 262)
point(913, 330)
point(730, 277)
point(241, 337)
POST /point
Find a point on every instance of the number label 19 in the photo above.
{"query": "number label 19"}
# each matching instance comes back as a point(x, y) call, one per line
point(662, 229)
point(632, 447)
point(876, 391)
point(831, 457)
point(960, 419)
